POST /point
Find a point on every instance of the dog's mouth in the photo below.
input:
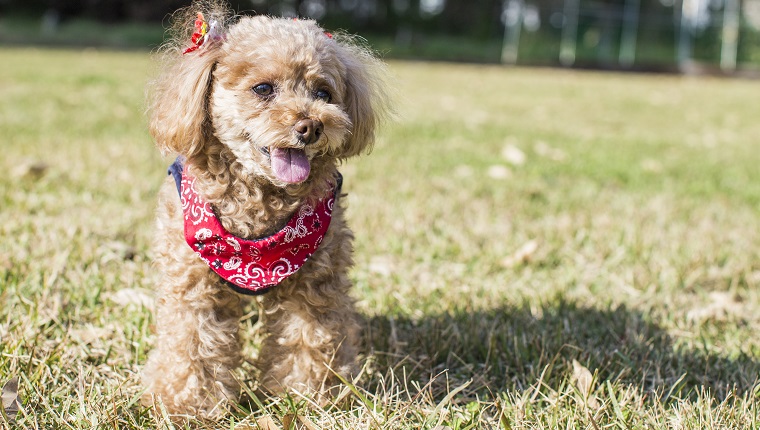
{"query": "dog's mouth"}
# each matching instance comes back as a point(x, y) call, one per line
point(290, 165)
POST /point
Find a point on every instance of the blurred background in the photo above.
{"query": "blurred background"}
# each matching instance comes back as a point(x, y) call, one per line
point(713, 36)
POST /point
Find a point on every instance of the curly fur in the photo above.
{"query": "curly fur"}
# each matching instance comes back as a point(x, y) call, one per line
point(202, 106)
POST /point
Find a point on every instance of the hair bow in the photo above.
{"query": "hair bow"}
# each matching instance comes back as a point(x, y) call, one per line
point(203, 31)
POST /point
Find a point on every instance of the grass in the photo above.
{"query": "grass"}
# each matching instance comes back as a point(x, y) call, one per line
point(536, 249)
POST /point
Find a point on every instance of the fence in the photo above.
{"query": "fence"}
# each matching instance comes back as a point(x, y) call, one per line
point(628, 34)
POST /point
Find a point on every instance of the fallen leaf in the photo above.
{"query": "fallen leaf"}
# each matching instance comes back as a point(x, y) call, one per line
point(10, 397)
point(117, 251)
point(498, 171)
point(133, 296)
point(308, 425)
point(513, 155)
point(722, 305)
point(90, 334)
point(754, 277)
point(381, 264)
point(522, 255)
point(5, 262)
point(582, 378)
point(287, 420)
point(267, 423)
point(31, 170)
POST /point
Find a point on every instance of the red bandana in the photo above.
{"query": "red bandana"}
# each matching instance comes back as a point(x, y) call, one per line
point(253, 266)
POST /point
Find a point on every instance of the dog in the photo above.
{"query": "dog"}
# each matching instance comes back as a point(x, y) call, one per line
point(261, 111)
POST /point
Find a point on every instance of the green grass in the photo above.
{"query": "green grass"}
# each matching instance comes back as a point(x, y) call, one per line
point(610, 280)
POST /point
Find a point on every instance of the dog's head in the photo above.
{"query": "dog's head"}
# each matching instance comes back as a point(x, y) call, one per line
point(280, 94)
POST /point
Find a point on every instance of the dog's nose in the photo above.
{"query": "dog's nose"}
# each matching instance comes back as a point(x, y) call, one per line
point(308, 130)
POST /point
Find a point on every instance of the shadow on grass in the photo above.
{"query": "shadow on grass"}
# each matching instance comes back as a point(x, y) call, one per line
point(512, 348)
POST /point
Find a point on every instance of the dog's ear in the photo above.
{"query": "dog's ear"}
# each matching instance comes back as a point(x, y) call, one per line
point(179, 119)
point(366, 98)
point(178, 98)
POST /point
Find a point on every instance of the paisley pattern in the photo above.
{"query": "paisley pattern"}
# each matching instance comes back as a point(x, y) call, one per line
point(253, 266)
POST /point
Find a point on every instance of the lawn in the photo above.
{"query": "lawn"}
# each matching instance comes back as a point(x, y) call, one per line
point(535, 248)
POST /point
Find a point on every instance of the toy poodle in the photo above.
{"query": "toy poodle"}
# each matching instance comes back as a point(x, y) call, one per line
point(260, 111)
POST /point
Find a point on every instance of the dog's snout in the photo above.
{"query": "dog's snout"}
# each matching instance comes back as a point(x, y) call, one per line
point(308, 130)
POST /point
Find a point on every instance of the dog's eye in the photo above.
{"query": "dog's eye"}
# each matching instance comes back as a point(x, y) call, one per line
point(323, 95)
point(263, 90)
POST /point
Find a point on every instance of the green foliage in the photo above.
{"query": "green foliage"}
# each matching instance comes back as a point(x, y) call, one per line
point(535, 249)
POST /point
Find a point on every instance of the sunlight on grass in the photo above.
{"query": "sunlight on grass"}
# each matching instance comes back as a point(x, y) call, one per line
point(535, 249)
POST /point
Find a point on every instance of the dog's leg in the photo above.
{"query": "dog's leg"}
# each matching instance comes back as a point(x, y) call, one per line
point(196, 348)
point(312, 334)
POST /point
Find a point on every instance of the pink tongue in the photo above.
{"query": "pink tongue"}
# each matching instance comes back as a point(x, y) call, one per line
point(290, 165)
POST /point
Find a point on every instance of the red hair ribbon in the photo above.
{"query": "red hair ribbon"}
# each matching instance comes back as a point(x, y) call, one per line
point(200, 34)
